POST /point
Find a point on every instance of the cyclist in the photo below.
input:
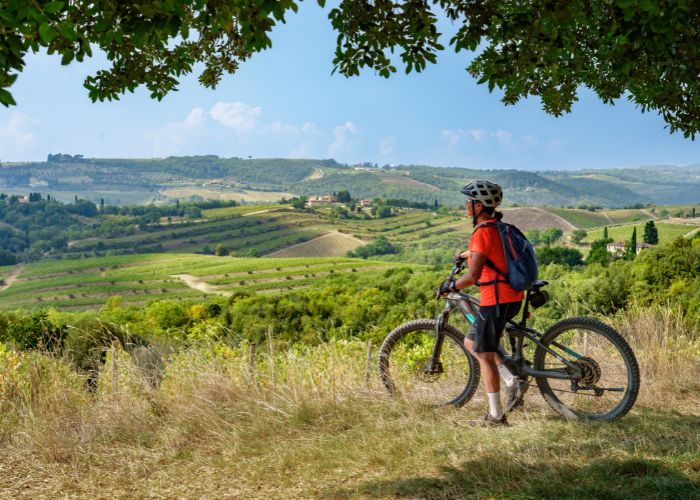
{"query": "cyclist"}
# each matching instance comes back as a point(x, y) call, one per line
point(499, 301)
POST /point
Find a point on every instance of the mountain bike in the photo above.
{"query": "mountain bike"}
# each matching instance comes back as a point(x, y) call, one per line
point(582, 366)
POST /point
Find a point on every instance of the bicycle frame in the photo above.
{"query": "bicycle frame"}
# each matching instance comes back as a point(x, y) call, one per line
point(517, 332)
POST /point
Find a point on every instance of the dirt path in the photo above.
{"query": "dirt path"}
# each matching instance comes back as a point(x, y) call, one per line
point(260, 212)
point(317, 174)
point(201, 285)
point(690, 233)
point(11, 277)
point(647, 212)
point(562, 219)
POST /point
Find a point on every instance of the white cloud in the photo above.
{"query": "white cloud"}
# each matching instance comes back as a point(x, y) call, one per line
point(478, 134)
point(236, 115)
point(386, 145)
point(16, 136)
point(556, 145)
point(455, 136)
point(503, 136)
point(342, 139)
point(529, 140)
point(173, 137)
point(309, 139)
point(452, 136)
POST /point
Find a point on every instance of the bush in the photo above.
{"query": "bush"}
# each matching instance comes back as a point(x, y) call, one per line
point(558, 255)
point(380, 246)
point(32, 332)
point(578, 236)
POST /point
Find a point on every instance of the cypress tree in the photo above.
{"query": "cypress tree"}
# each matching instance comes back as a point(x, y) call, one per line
point(605, 233)
point(651, 233)
point(632, 249)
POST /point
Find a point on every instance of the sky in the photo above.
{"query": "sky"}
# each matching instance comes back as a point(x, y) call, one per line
point(285, 102)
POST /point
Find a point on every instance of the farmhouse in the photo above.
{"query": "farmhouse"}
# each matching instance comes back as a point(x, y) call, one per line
point(34, 182)
point(364, 203)
point(314, 201)
point(618, 248)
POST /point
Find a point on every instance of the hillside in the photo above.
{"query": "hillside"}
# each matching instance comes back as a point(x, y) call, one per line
point(156, 180)
point(139, 279)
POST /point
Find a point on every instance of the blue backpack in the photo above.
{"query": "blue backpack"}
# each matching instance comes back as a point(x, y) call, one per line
point(521, 263)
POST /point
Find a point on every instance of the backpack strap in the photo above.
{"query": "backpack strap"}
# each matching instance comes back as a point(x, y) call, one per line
point(490, 264)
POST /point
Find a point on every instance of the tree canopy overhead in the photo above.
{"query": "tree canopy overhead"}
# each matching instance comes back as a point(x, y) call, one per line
point(647, 50)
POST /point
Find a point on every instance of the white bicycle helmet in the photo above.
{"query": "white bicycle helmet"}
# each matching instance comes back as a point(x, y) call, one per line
point(488, 193)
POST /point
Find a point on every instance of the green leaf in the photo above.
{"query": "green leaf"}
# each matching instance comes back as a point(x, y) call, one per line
point(47, 33)
point(53, 7)
point(6, 98)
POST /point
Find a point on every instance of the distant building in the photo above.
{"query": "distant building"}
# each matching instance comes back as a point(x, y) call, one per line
point(618, 248)
point(314, 201)
point(364, 203)
point(22, 199)
point(215, 182)
point(34, 182)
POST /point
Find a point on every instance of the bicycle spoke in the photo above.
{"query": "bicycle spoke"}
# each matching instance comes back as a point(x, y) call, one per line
point(406, 368)
point(600, 383)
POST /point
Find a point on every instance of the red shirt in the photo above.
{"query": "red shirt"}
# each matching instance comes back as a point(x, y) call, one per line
point(487, 241)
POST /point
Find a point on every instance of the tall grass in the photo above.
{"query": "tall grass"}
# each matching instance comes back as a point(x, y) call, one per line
point(304, 423)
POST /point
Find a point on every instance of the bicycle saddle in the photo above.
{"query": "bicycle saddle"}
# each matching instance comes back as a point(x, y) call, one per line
point(539, 284)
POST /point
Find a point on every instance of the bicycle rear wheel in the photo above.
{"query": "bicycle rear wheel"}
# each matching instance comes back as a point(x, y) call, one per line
point(404, 360)
point(609, 383)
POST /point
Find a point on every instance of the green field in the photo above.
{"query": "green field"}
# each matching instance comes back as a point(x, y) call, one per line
point(626, 215)
point(582, 219)
point(218, 213)
point(268, 229)
point(667, 232)
point(88, 283)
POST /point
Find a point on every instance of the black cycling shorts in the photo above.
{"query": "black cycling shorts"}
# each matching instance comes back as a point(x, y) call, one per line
point(487, 330)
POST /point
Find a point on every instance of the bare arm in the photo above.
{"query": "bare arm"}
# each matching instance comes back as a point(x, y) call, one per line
point(477, 265)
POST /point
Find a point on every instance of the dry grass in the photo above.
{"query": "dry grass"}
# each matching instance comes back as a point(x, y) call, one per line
point(303, 424)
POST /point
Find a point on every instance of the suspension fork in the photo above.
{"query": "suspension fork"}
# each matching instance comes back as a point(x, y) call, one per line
point(434, 364)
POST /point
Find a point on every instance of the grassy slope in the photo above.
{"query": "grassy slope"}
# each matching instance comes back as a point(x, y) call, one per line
point(667, 232)
point(87, 283)
point(307, 426)
point(582, 219)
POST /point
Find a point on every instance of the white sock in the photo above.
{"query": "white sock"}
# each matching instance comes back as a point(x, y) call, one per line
point(505, 374)
point(495, 406)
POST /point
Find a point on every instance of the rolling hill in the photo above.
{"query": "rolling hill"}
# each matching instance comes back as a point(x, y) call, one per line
point(157, 180)
point(138, 279)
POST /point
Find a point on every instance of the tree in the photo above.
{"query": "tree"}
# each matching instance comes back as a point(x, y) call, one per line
point(383, 212)
point(651, 234)
point(558, 255)
point(605, 233)
point(578, 236)
point(220, 250)
point(299, 203)
point(551, 235)
point(631, 246)
point(599, 252)
point(534, 236)
point(647, 50)
point(380, 246)
point(343, 196)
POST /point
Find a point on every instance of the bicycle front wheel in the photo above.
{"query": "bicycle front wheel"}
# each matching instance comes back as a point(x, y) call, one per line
point(608, 380)
point(404, 365)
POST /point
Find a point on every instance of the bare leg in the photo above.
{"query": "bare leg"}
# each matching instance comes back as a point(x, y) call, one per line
point(488, 362)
